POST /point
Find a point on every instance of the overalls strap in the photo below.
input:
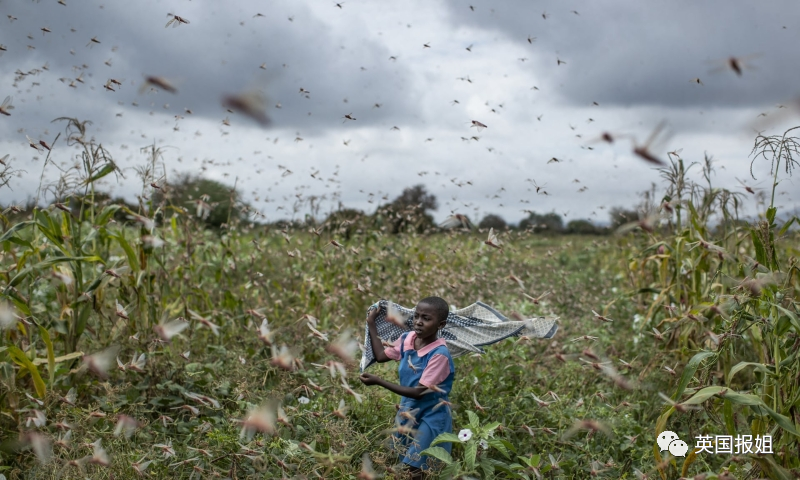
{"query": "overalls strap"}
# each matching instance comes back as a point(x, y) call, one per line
point(402, 341)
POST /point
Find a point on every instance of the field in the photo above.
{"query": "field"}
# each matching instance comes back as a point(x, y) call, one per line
point(139, 348)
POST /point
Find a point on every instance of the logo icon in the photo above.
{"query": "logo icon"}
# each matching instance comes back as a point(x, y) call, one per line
point(668, 440)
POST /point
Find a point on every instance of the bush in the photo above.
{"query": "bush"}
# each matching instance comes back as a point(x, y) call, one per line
point(547, 223)
point(620, 216)
point(583, 227)
point(213, 202)
point(346, 221)
point(409, 211)
point(493, 221)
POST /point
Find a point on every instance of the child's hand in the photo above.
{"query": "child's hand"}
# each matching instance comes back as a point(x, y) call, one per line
point(369, 379)
point(373, 314)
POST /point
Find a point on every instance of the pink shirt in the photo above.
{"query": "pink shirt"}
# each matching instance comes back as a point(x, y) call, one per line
point(438, 367)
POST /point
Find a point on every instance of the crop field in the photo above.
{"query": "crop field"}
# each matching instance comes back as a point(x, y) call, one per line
point(140, 344)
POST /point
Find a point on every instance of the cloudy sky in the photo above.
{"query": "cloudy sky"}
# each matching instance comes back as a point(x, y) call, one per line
point(547, 78)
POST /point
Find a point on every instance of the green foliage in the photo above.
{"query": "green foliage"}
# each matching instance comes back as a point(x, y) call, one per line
point(619, 216)
point(493, 221)
point(727, 296)
point(408, 212)
point(583, 227)
point(212, 202)
point(347, 221)
point(478, 440)
point(551, 223)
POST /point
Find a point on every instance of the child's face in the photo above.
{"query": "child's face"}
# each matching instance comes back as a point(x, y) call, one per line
point(426, 322)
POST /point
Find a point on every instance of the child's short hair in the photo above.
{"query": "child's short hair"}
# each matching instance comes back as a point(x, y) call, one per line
point(439, 305)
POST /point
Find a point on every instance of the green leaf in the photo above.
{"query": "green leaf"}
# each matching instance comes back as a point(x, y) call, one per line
point(490, 427)
point(533, 461)
point(770, 468)
point(82, 318)
point(774, 257)
point(63, 358)
point(19, 277)
point(771, 211)
point(488, 468)
point(445, 438)
point(509, 445)
point(19, 357)
point(695, 219)
point(451, 470)
point(48, 263)
point(439, 453)
point(783, 421)
point(792, 317)
point(474, 421)
point(51, 356)
point(761, 253)
point(106, 214)
point(53, 261)
point(727, 415)
point(689, 371)
point(788, 360)
point(782, 326)
point(20, 242)
point(45, 225)
point(107, 169)
point(95, 283)
point(704, 394)
point(470, 452)
point(742, 399)
point(11, 231)
point(133, 261)
point(19, 302)
point(741, 366)
point(786, 226)
point(499, 446)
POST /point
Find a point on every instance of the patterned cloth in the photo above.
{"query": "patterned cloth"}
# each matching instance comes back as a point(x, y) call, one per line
point(467, 329)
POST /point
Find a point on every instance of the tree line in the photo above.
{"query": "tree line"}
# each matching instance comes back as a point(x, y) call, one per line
point(216, 205)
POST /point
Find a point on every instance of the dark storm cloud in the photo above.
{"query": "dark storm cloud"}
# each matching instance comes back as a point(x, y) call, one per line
point(218, 53)
point(627, 52)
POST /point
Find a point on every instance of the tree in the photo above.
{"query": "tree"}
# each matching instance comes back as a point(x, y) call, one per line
point(210, 201)
point(583, 227)
point(547, 223)
point(409, 211)
point(416, 196)
point(345, 221)
point(493, 221)
point(620, 216)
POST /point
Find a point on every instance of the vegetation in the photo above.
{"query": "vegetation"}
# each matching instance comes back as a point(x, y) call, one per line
point(493, 221)
point(408, 212)
point(214, 202)
point(687, 301)
point(550, 223)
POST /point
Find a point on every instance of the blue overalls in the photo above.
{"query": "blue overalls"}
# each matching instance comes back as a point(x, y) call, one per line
point(428, 422)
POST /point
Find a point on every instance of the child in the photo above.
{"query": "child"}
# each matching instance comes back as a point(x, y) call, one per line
point(426, 374)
